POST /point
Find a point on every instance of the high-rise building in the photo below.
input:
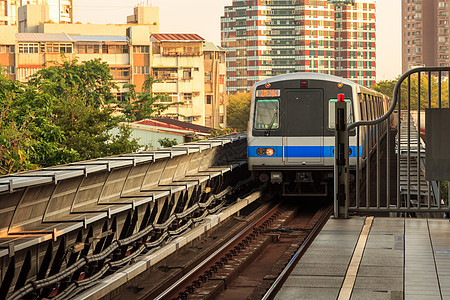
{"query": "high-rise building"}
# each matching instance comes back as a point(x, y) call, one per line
point(58, 11)
point(425, 33)
point(271, 37)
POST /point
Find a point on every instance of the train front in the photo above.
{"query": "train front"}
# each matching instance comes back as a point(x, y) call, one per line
point(291, 131)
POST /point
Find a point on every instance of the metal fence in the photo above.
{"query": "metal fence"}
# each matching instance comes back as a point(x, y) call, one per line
point(389, 175)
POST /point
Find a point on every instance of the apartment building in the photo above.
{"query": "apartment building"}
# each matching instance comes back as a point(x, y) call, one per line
point(179, 61)
point(265, 38)
point(192, 70)
point(36, 49)
point(215, 88)
point(8, 50)
point(425, 33)
point(56, 11)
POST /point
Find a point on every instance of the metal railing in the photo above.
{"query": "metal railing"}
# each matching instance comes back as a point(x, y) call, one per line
point(396, 183)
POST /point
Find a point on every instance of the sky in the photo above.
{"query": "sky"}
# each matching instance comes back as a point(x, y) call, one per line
point(203, 18)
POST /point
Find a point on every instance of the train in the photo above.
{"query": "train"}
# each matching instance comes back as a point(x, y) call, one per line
point(290, 131)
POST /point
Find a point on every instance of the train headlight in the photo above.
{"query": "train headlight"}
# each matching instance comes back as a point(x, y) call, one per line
point(270, 151)
point(260, 151)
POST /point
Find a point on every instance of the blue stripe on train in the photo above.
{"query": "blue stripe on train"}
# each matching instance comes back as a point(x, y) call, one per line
point(299, 151)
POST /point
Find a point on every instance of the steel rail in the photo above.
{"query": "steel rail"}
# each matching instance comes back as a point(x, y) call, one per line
point(197, 271)
point(276, 285)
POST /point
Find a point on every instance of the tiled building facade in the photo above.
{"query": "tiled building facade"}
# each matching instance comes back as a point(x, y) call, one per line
point(425, 33)
point(271, 37)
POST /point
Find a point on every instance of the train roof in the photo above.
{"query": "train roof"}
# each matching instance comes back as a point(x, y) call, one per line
point(316, 76)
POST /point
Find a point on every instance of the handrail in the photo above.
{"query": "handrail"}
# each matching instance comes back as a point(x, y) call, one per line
point(395, 93)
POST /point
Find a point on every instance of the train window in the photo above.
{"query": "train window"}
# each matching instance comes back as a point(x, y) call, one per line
point(370, 107)
point(374, 111)
point(332, 112)
point(266, 115)
point(362, 106)
point(362, 109)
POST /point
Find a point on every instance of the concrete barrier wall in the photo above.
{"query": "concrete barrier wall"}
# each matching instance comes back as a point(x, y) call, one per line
point(95, 202)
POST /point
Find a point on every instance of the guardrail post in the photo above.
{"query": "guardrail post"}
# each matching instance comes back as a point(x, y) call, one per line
point(341, 162)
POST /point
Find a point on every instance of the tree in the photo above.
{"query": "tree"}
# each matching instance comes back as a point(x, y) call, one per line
point(76, 97)
point(146, 104)
point(28, 137)
point(387, 87)
point(238, 111)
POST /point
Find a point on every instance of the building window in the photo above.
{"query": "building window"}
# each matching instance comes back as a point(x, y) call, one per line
point(208, 55)
point(208, 99)
point(57, 48)
point(9, 70)
point(165, 73)
point(29, 48)
point(7, 48)
point(187, 74)
point(120, 97)
point(120, 72)
point(187, 98)
point(182, 51)
point(114, 49)
point(142, 70)
point(88, 48)
point(141, 49)
point(208, 77)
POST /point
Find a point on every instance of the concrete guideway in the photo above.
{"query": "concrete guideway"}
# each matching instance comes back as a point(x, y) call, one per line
point(80, 208)
point(143, 263)
point(402, 259)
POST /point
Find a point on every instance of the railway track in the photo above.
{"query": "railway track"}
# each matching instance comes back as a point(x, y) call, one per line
point(247, 263)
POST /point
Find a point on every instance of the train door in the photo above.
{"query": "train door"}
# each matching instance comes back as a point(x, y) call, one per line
point(304, 127)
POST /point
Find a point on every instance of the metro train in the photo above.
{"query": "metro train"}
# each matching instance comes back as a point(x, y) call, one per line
point(291, 130)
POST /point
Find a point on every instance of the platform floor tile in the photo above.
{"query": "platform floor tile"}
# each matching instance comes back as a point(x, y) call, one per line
point(360, 294)
point(307, 293)
point(402, 259)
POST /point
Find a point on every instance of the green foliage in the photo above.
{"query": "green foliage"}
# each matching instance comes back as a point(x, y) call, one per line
point(14, 140)
point(387, 87)
point(167, 143)
point(80, 93)
point(90, 81)
point(238, 111)
point(61, 116)
point(221, 131)
point(144, 105)
point(444, 191)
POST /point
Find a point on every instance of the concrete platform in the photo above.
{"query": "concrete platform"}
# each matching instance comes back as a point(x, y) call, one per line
point(374, 258)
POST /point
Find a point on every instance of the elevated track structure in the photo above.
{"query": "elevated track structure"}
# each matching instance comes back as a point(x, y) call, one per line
point(64, 227)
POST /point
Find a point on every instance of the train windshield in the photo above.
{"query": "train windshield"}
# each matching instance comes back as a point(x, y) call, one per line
point(332, 112)
point(266, 115)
